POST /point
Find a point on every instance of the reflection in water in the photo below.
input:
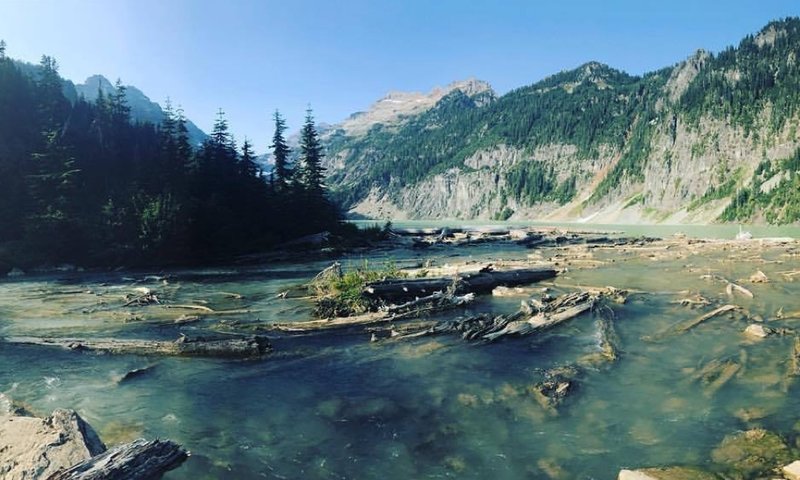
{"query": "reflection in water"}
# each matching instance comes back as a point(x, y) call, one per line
point(338, 406)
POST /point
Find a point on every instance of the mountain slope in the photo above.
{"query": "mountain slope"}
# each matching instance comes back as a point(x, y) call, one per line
point(593, 143)
point(142, 108)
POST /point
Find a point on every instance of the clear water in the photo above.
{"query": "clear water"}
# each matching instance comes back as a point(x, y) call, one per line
point(338, 406)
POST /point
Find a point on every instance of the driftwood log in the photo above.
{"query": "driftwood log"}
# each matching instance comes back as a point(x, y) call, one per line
point(522, 322)
point(482, 282)
point(432, 303)
point(568, 307)
point(138, 460)
point(687, 325)
point(240, 347)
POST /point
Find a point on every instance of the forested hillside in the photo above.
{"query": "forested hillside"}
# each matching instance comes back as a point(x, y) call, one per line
point(84, 184)
point(594, 142)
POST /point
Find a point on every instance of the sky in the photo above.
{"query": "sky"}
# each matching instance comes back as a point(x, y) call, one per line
point(251, 57)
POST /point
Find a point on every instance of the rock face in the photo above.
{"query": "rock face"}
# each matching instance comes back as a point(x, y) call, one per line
point(32, 448)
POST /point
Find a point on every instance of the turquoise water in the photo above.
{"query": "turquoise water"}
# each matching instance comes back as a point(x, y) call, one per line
point(336, 405)
point(720, 231)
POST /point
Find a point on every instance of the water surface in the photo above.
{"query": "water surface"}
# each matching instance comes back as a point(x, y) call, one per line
point(339, 406)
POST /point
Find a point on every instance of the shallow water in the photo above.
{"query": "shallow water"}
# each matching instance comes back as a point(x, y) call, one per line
point(338, 406)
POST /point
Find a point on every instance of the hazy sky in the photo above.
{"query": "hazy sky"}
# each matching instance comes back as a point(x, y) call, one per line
point(250, 57)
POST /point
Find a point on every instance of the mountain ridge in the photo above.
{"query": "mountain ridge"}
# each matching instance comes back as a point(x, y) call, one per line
point(593, 143)
point(142, 108)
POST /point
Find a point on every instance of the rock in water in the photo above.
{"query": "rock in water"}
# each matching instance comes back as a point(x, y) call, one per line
point(756, 331)
point(38, 447)
point(752, 453)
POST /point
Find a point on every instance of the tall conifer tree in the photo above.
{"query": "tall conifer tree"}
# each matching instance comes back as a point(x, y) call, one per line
point(280, 153)
point(312, 173)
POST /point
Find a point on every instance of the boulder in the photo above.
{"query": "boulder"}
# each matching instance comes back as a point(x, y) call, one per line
point(756, 330)
point(38, 447)
point(792, 471)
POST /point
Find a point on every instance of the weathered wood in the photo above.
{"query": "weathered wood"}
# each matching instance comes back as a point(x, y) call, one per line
point(542, 321)
point(35, 448)
point(691, 323)
point(239, 347)
point(727, 372)
point(201, 308)
point(138, 460)
point(734, 287)
point(607, 341)
point(794, 366)
point(431, 303)
point(715, 374)
point(482, 282)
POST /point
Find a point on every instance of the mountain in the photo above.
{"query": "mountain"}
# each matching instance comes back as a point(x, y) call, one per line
point(711, 138)
point(142, 108)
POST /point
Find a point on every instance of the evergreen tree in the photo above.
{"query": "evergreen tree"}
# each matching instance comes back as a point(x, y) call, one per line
point(249, 167)
point(168, 136)
point(120, 110)
point(184, 148)
point(280, 153)
point(2, 50)
point(312, 171)
point(53, 107)
point(52, 227)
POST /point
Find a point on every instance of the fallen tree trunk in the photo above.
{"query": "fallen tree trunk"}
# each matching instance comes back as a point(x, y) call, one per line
point(415, 308)
point(482, 282)
point(689, 324)
point(607, 341)
point(794, 367)
point(541, 321)
point(522, 322)
point(243, 347)
point(138, 460)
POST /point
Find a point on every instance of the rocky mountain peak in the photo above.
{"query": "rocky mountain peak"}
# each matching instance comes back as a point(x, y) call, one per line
point(471, 87)
point(396, 106)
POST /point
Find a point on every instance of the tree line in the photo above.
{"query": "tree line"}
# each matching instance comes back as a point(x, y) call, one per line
point(84, 184)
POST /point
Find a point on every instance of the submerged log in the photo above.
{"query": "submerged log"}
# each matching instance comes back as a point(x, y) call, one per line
point(240, 347)
point(482, 282)
point(689, 324)
point(607, 341)
point(715, 374)
point(794, 366)
point(138, 460)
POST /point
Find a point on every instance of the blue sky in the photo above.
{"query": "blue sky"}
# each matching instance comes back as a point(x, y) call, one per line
point(250, 57)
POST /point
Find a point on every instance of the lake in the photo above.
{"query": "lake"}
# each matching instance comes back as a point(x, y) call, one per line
point(336, 405)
